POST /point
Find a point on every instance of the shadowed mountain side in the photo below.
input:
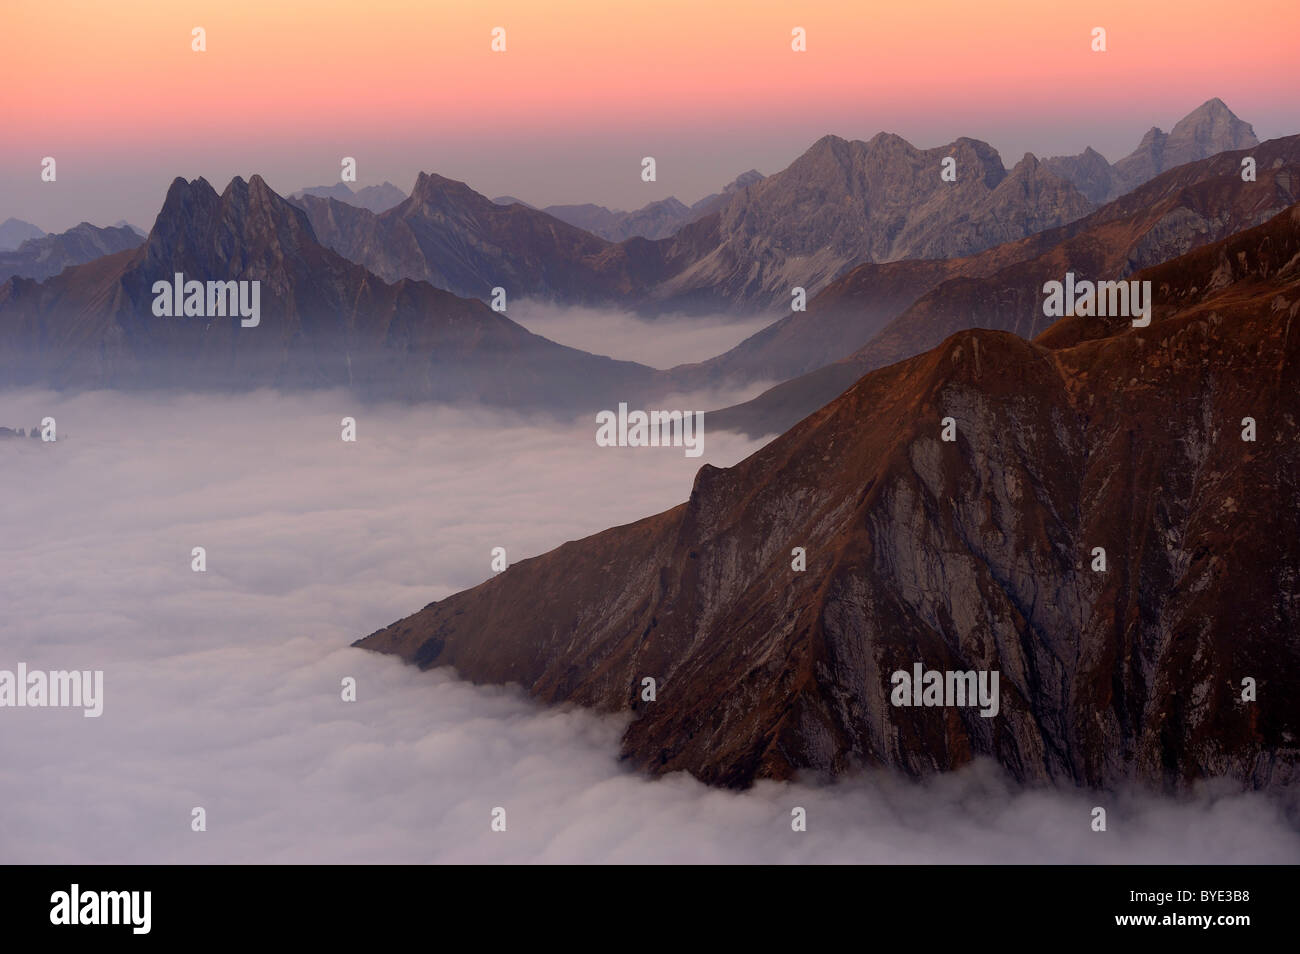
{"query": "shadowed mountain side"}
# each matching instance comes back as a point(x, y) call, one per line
point(324, 322)
point(976, 554)
point(1182, 209)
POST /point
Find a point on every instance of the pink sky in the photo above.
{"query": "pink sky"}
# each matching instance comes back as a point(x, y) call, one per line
point(585, 89)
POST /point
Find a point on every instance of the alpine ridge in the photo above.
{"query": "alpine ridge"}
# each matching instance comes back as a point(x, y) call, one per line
point(977, 554)
point(1192, 205)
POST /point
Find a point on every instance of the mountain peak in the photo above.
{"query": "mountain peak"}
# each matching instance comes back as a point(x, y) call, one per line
point(1211, 126)
point(182, 188)
point(890, 143)
point(1212, 107)
point(431, 188)
point(741, 181)
point(199, 229)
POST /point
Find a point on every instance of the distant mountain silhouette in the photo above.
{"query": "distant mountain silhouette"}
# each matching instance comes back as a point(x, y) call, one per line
point(1209, 129)
point(14, 232)
point(376, 199)
point(50, 254)
point(653, 221)
point(840, 204)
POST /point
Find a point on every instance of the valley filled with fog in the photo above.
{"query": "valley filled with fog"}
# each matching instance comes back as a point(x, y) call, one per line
point(222, 688)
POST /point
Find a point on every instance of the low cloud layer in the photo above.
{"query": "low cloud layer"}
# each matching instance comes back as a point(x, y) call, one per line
point(663, 342)
point(222, 689)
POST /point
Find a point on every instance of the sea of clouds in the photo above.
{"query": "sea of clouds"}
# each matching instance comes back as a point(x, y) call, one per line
point(662, 342)
point(222, 689)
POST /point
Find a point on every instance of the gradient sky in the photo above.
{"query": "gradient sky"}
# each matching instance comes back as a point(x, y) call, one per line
point(588, 87)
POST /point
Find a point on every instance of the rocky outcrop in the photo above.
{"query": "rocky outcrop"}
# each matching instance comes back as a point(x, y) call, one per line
point(974, 554)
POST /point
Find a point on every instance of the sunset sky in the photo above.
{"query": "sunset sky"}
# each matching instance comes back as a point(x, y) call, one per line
point(585, 89)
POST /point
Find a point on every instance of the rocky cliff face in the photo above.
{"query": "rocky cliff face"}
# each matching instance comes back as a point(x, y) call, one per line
point(975, 554)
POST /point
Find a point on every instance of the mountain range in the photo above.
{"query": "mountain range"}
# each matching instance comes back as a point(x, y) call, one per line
point(977, 553)
point(971, 554)
point(378, 198)
point(655, 220)
point(1210, 128)
point(447, 234)
point(840, 204)
point(874, 314)
point(900, 309)
point(325, 321)
point(48, 255)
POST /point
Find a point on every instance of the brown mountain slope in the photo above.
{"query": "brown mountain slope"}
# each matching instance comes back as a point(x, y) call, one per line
point(970, 555)
point(1182, 209)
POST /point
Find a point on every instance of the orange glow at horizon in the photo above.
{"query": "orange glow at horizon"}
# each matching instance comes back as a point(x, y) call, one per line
point(124, 76)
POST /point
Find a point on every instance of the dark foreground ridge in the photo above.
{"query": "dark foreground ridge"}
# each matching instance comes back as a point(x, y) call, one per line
point(968, 555)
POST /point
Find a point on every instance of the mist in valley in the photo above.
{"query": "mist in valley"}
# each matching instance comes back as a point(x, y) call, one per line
point(222, 688)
